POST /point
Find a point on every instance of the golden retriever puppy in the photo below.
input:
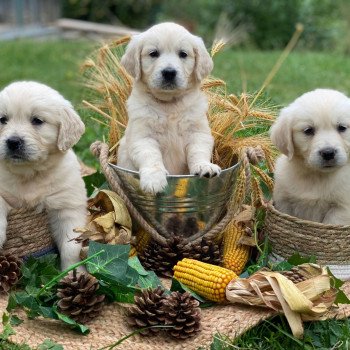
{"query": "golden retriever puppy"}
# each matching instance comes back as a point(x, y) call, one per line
point(168, 130)
point(38, 169)
point(312, 177)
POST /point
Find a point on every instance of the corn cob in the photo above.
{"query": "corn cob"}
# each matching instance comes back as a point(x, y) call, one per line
point(207, 280)
point(142, 240)
point(235, 255)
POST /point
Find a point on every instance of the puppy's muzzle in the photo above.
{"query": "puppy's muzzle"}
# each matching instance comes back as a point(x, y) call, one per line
point(328, 153)
point(169, 77)
point(328, 156)
point(15, 147)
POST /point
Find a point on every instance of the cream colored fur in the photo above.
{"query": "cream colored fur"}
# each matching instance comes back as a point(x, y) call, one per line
point(168, 130)
point(306, 185)
point(46, 173)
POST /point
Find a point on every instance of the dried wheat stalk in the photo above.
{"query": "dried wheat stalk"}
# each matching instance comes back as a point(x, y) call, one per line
point(236, 123)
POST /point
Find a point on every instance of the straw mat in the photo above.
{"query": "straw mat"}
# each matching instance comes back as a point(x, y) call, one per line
point(230, 320)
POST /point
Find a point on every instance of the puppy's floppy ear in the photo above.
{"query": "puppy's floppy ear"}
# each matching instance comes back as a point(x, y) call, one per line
point(132, 57)
point(204, 63)
point(70, 128)
point(281, 133)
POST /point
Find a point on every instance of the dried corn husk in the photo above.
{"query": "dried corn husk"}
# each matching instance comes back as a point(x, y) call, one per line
point(307, 300)
point(108, 221)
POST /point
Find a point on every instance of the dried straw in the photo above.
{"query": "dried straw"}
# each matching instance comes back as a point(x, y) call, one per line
point(237, 124)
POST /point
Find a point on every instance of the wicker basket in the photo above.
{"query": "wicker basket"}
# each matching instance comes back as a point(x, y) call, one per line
point(329, 243)
point(28, 234)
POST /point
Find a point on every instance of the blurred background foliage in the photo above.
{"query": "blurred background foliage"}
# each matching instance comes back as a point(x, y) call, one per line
point(263, 24)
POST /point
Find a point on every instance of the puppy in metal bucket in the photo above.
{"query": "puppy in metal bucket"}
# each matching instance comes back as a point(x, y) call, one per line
point(168, 130)
point(38, 168)
point(312, 177)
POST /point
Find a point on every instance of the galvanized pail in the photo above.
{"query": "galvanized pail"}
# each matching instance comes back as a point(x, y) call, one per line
point(199, 202)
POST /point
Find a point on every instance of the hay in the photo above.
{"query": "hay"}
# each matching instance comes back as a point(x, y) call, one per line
point(238, 123)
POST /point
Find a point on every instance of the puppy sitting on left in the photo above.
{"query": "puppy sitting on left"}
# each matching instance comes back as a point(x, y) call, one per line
point(38, 169)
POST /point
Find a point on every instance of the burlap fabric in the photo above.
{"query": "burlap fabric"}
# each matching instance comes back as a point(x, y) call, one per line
point(327, 243)
point(28, 233)
point(230, 320)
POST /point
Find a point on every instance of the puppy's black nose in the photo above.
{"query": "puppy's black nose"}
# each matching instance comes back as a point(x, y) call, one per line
point(328, 153)
point(169, 74)
point(15, 143)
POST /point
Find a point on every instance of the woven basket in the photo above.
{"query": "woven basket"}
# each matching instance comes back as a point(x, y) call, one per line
point(328, 243)
point(28, 234)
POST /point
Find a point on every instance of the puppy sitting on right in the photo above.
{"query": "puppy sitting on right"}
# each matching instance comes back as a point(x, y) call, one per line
point(312, 177)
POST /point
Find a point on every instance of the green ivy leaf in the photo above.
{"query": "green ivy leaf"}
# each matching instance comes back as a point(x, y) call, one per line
point(15, 320)
point(283, 266)
point(7, 328)
point(39, 271)
point(122, 293)
point(297, 259)
point(75, 325)
point(28, 301)
point(94, 181)
point(12, 302)
point(146, 279)
point(112, 264)
point(134, 262)
point(149, 281)
point(48, 344)
point(341, 297)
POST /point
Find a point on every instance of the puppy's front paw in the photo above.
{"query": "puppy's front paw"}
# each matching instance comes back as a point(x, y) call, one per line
point(153, 180)
point(205, 169)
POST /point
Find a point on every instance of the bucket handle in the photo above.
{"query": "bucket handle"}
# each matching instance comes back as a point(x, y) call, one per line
point(101, 151)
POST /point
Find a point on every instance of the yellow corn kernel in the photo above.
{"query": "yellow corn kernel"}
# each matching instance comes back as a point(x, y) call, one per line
point(143, 238)
point(208, 281)
point(133, 252)
point(235, 255)
point(181, 188)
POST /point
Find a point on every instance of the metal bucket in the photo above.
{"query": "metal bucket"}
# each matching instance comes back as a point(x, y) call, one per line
point(196, 202)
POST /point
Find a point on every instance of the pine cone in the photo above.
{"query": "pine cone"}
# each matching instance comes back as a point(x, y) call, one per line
point(206, 251)
point(294, 275)
point(10, 271)
point(161, 259)
point(78, 298)
point(147, 310)
point(181, 311)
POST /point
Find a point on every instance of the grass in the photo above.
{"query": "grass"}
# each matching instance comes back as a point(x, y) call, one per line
point(57, 62)
point(274, 335)
point(302, 71)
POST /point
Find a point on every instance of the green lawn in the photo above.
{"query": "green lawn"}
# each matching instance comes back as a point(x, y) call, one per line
point(57, 63)
point(301, 72)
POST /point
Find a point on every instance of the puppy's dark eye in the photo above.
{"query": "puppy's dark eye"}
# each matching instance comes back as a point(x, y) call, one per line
point(154, 53)
point(183, 54)
point(4, 119)
point(37, 121)
point(309, 131)
point(341, 128)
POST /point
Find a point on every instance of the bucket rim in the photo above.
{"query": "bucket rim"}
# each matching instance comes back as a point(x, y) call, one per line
point(223, 171)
